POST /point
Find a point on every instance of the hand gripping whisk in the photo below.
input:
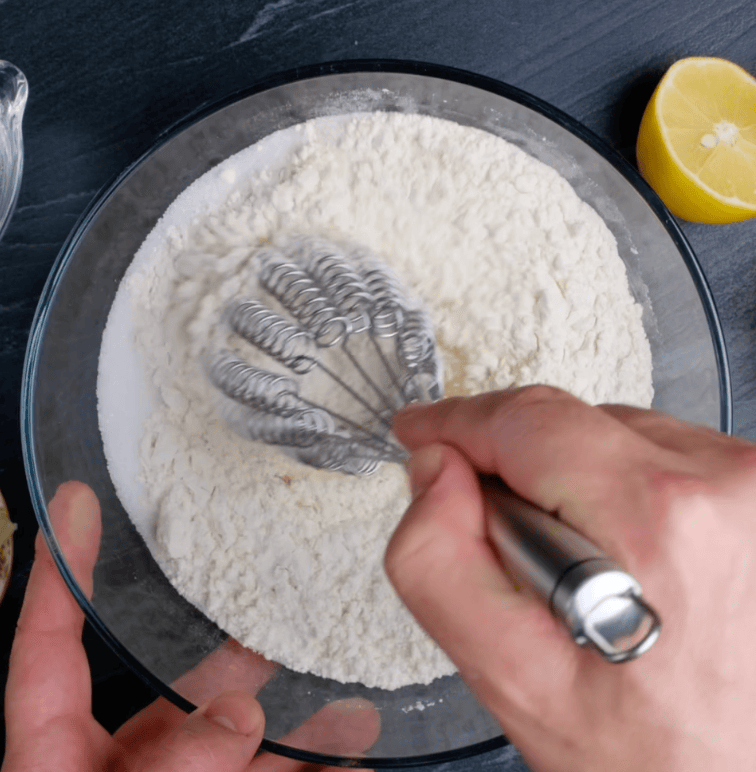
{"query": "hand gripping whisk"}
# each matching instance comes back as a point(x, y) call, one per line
point(344, 318)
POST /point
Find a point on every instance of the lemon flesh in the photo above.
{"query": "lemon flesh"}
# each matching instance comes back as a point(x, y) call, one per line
point(697, 141)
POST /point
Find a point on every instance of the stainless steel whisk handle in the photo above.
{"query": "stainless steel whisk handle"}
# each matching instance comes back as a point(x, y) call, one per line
point(601, 604)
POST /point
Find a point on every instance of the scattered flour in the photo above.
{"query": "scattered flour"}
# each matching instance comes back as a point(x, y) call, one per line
point(523, 282)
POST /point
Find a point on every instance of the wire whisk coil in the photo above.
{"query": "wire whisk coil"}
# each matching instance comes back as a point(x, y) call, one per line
point(382, 356)
point(298, 428)
point(305, 300)
point(287, 343)
point(415, 340)
point(251, 386)
point(346, 288)
point(388, 300)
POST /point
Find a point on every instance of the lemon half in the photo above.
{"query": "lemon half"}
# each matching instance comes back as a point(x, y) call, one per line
point(697, 141)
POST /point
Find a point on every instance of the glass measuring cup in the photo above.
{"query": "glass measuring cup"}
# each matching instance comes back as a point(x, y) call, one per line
point(14, 90)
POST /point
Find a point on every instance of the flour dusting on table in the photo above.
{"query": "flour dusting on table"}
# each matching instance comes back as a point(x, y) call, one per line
point(524, 284)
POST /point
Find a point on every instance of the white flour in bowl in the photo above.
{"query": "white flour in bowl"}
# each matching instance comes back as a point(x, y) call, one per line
point(522, 280)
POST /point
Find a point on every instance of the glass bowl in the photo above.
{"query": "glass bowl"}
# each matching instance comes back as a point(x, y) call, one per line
point(151, 627)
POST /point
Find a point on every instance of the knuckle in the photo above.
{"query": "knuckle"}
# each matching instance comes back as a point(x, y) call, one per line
point(535, 404)
point(539, 394)
point(743, 456)
point(667, 487)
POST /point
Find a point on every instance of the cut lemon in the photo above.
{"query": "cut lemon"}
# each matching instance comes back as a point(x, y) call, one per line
point(697, 141)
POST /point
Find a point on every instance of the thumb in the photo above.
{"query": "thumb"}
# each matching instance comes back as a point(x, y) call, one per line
point(224, 733)
point(444, 569)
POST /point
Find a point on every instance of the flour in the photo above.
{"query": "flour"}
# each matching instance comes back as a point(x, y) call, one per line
point(523, 282)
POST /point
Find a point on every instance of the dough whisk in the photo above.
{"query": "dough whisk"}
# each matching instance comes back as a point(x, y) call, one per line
point(345, 306)
point(342, 317)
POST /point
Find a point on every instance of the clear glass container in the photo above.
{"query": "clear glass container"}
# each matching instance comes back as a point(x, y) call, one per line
point(135, 609)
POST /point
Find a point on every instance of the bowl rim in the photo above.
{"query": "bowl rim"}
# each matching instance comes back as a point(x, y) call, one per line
point(309, 72)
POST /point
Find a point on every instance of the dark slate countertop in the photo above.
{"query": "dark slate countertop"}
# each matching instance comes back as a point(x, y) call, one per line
point(107, 78)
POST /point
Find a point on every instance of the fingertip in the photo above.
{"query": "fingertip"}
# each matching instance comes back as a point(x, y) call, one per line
point(70, 490)
point(424, 467)
point(347, 728)
point(224, 733)
point(417, 424)
point(75, 515)
point(357, 725)
point(406, 417)
point(237, 711)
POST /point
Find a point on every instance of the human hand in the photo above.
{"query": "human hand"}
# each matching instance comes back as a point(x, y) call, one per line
point(48, 695)
point(672, 503)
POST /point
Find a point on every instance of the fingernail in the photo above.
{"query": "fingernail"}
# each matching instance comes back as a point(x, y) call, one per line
point(423, 468)
point(413, 406)
point(82, 517)
point(234, 712)
point(351, 705)
point(222, 720)
point(408, 410)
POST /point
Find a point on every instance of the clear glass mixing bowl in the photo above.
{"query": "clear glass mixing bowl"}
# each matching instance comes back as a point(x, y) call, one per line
point(134, 608)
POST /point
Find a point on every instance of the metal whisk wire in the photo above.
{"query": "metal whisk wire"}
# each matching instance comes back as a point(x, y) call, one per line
point(344, 287)
point(285, 342)
point(351, 294)
point(388, 299)
point(308, 302)
point(275, 413)
point(250, 385)
point(332, 297)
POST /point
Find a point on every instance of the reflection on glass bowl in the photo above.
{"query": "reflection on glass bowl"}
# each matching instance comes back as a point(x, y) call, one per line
point(151, 627)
